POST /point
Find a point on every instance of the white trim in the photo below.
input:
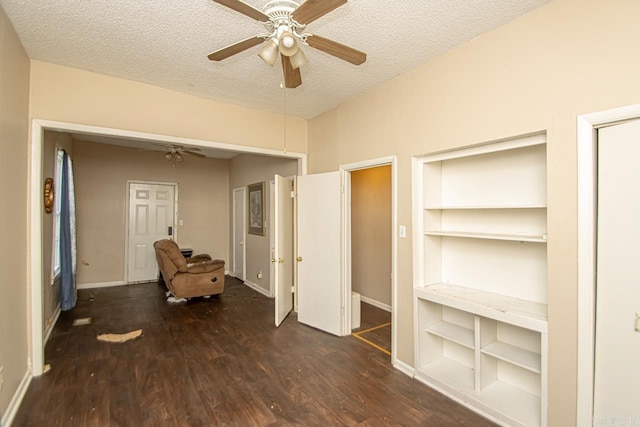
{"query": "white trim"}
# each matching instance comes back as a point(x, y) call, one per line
point(587, 193)
point(35, 212)
point(35, 208)
point(348, 168)
point(404, 368)
point(376, 303)
point(51, 323)
point(257, 288)
point(103, 284)
point(127, 198)
point(16, 400)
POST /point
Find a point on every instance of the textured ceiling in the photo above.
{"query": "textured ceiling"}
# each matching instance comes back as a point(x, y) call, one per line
point(166, 42)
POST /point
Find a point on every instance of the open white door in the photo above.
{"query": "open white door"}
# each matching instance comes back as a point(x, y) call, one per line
point(239, 232)
point(617, 377)
point(319, 237)
point(282, 256)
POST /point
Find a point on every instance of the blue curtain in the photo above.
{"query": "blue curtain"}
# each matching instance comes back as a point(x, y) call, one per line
point(68, 294)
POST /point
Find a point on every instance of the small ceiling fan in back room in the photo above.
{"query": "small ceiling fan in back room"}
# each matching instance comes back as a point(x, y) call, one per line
point(286, 22)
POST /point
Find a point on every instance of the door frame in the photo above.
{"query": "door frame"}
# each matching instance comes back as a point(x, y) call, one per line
point(345, 171)
point(243, 190)
point(587, 138)
point(35, 207)
point(127, 205)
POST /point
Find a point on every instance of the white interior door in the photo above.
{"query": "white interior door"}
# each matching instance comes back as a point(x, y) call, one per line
point(617, 376)
point(319, 240)
point(151, 213)
point(239, 232)
point(283, 247)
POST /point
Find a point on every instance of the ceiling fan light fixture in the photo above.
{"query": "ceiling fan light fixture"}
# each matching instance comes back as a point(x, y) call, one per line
point(287, 43)
point(168, 155)
point(269, 52)
point(298, 59)
point(178, 157)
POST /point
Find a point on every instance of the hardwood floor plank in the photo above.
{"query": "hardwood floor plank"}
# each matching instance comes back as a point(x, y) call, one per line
point(221, 361)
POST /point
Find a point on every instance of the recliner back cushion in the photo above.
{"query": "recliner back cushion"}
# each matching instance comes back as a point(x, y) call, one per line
point(172, 252)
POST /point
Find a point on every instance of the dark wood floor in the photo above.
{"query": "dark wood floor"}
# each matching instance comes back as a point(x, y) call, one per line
point(218, 362)
point(375, 328)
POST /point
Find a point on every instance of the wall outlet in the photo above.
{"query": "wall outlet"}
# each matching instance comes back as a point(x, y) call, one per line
point(1, 377)
point(260, 275)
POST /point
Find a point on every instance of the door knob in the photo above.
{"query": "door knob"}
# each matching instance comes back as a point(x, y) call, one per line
point(299, 259)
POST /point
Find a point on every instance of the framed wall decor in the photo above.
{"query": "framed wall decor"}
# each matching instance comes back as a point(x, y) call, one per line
point(256, 209)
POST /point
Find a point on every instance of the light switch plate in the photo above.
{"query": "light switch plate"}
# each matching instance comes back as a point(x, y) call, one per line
point(403, 232)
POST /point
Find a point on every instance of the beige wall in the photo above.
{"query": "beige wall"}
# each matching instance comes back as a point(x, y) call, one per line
point(14, 115)
point(248, 169)
point(76, 96)
point(371, 233)
point(101, 172)
point(50, 289)
point(537, 73)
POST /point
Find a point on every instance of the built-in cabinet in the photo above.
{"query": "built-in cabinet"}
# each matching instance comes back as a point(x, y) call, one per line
point(480, 291)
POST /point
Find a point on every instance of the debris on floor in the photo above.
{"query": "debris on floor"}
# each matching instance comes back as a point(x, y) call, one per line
point(82, 321)
point(46, 368)
point(118, 338)
point(172, 299)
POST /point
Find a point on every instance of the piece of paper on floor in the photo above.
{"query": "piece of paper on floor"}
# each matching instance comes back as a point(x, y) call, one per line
point(120, 337)
point(174, 300)
point(46, 368)
point(82, 321)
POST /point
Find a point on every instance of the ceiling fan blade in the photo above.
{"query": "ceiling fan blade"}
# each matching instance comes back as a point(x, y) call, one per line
point(336, 49)
point(193, 153)
point(313, 9)
point(231, 50)
point(245, 9)
point(292, 77)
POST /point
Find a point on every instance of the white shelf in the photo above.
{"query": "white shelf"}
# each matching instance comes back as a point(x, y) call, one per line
point(515, 355)
point(526, 314)
point(514, 403)
point(490, 236)
point(473, 207)
point(452, 332)
point(450, 373)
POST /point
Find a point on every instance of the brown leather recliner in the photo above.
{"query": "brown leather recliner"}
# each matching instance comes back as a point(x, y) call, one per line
point(189, 277)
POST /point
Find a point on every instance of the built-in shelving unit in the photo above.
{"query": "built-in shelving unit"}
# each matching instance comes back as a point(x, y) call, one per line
point(480, 277)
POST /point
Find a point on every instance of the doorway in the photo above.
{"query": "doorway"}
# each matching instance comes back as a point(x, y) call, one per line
point(371, 255)
point(239, 232)
point(151, 213)
point(382, 314)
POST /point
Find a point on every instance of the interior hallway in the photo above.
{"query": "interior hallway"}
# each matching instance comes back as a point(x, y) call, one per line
point(218, 361)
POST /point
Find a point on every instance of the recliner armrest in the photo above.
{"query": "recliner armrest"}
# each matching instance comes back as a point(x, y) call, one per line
point(205, 266)
point(198, 258)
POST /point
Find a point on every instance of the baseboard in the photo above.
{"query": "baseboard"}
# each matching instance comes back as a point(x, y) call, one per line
point(404, 368)
point(381, 305)
point(50, 325)
point(257, 288)
point(14, 405)
point(100, 285)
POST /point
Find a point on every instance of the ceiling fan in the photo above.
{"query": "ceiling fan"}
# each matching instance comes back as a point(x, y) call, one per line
point(285, 22)
point(176, 151)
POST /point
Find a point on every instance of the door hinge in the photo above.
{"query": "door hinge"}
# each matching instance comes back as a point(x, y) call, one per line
point(293, 194)
point(293, 289)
